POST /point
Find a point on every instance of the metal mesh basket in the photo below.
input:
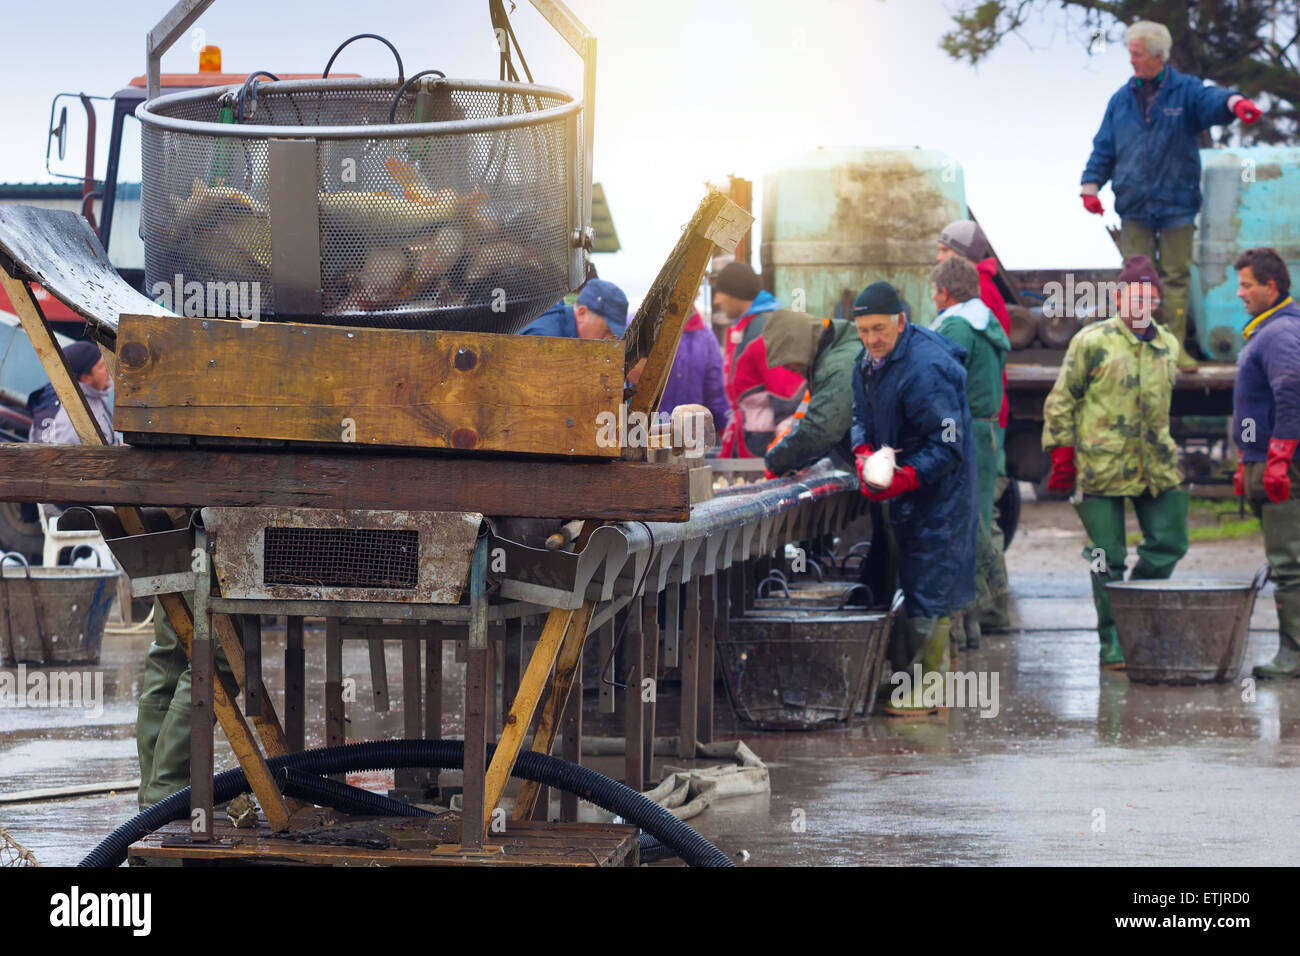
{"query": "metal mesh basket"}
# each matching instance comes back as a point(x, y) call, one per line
point(317, 208)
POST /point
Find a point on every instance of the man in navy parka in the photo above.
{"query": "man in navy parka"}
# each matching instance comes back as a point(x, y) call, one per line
point(909, 394)
point(1148, 148)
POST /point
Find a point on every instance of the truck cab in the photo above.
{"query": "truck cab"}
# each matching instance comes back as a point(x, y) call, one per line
point(110, 177)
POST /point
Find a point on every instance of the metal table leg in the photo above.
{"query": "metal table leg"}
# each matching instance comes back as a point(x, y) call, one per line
point(649, 671)
point(295, 686)
point(634, 772)
point(335, 715)
point(690, 656)
point(252, 626)
point(710, 620)
point(202, 678)
point(471, 827)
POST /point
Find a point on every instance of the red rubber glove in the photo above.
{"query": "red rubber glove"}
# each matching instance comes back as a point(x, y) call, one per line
point(905, 480)
point(1239, 480)
point(860, 455)
point(1063, 471)
point(769, 474)
point(1247, 111)
point(1093, 205)
point(1277, 484)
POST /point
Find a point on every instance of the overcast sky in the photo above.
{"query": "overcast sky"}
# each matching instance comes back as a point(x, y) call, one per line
point(688, 92)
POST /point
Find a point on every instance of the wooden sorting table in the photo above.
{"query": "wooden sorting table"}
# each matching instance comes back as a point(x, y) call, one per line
point(61, 253)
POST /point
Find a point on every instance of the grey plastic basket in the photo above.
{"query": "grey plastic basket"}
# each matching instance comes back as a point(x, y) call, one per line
point(1183, 632)
point(53, 615)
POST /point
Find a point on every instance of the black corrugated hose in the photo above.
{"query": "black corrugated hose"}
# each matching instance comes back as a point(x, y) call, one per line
point(551, 771)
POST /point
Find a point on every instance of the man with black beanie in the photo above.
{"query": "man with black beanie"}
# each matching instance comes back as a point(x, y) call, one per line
point(909, 395)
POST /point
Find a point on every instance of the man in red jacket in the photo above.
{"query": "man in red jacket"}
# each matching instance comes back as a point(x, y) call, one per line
point(761, 397)
point(965, 239)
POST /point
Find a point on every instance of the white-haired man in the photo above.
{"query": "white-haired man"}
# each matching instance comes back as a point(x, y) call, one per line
point(1147, 147)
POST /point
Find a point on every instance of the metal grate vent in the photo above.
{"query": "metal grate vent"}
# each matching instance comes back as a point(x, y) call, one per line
point(341, 557)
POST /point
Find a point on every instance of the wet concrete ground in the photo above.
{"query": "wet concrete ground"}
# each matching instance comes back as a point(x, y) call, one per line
point(1078, 767)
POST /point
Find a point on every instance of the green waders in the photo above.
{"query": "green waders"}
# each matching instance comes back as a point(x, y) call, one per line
point(991, 587)
point(162, 727)
point(997, 616)
point(1281, 526)
point(1163, 520)
point(1170, 250)
point(926, 638)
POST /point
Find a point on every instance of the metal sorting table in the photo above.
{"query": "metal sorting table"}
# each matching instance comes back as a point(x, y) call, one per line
point(705, 568)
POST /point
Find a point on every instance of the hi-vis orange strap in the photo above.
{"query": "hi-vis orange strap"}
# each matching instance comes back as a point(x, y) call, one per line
point(801, 410)
point(798, 415)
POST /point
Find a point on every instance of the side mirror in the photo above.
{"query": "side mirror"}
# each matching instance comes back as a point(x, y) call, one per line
point(60, 135)
point(74, 118)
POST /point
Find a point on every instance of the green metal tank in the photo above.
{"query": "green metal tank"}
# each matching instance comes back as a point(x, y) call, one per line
point(837, 220)
point(1251, 198)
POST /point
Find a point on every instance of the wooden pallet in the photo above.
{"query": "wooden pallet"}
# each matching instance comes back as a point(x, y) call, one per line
point(415, 842)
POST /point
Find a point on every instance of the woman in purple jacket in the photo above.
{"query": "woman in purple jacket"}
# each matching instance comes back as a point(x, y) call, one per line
point(696, 378)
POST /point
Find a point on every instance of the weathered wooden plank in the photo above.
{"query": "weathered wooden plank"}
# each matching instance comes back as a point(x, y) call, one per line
point(232, 721)
point(375, 387)
point(524, 843)
point(269, 729)
point(553, 707)
point(571, 740)
point(53, 360)
point(178, 614)
point(58, 249)
point(605, 490)
point(654, 333)
point(522, 708)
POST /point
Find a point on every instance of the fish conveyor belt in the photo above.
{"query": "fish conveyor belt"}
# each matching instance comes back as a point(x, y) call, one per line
point(622, 560)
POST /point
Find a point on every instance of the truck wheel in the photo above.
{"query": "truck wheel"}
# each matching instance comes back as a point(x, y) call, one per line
point(1008, 508)
point(19, 534)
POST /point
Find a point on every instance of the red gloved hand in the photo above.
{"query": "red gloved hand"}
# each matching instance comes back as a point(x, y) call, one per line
point(1093, 205)
point(860, 455)
point(905, 480)
point(769, 474)
point(1239, 480)
point(1063, 471)
point(1247, 111)
point(1277, 484)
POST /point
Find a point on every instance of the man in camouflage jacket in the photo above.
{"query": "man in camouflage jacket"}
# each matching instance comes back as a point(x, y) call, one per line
point(1111, 404)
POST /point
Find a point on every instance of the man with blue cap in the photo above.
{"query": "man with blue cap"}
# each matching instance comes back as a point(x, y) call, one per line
point(599, 313)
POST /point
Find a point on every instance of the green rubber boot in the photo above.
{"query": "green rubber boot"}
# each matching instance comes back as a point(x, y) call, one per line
point(1280, 524)
point(997, 615)
point(930, 636)
point(957, 630)
point(1287, 661)
point(1285, 664)
point(1103, 520)
point(1112, 655)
